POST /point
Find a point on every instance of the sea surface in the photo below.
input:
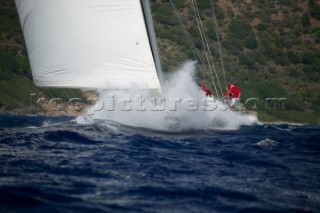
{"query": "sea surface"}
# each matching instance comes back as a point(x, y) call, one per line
point(53, 164)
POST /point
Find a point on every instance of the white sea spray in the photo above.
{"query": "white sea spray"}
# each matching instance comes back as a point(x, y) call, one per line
point(182, 107)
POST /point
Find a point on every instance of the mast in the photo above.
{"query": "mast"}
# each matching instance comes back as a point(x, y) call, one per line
point(152, 37)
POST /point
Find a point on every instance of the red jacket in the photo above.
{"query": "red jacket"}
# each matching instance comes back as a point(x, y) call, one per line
point(207, 91)
point(235, 92)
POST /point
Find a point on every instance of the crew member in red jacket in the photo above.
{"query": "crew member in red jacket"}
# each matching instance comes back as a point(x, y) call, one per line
point(235, 94)
point(206, 90)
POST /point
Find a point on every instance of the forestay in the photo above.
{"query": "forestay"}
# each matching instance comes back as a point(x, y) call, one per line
point(88, 44)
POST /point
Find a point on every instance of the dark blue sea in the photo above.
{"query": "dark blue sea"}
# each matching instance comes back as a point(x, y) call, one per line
point(53, 164)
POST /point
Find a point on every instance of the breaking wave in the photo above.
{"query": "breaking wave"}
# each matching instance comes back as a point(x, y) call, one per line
point(182, 107)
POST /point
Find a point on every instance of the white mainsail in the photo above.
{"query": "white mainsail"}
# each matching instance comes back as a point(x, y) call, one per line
point(89, 44)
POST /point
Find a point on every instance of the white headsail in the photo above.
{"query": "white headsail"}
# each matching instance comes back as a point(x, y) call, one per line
point(88, 44)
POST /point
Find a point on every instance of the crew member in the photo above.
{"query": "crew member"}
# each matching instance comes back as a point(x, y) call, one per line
point(235, 94)
point(206, 90)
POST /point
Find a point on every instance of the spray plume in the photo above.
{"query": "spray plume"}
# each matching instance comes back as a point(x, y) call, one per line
point(182, 107)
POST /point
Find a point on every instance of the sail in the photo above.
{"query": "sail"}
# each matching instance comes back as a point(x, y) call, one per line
point(89, 43)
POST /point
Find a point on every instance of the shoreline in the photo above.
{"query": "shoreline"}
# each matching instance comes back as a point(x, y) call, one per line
point(32, 111)
point(29, 112)
point(286, 123)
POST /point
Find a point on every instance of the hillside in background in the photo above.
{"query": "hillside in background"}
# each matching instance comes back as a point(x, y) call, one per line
point(269, 47)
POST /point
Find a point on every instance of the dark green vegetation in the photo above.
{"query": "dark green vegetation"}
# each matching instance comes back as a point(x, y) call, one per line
point(16, 86)
point(270, 48)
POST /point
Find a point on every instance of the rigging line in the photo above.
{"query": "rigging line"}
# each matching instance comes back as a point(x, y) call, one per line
point(208, 48)
point(218, 40)
point(197, 15)
point(207, 43)
point(200, 31)
point(189, 40)
point(205, 51)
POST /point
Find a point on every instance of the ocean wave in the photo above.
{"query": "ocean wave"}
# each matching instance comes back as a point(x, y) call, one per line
point(267, 143)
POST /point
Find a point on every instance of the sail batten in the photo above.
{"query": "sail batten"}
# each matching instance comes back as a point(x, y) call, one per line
point(88, 44)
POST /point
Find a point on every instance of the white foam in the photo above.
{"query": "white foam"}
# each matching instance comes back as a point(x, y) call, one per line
point(179, 86)
point(267, 143)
